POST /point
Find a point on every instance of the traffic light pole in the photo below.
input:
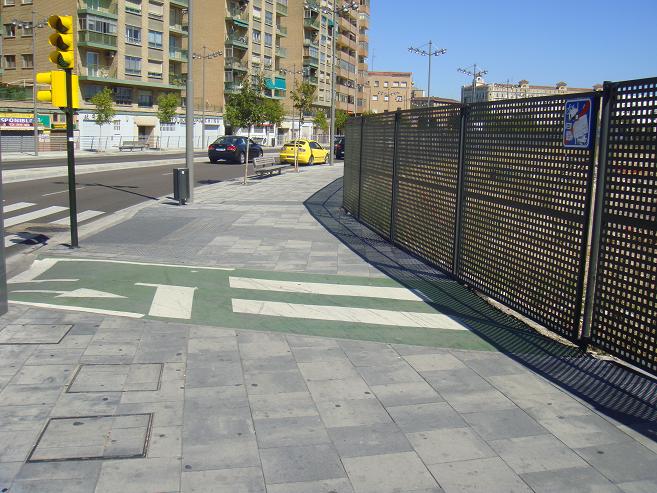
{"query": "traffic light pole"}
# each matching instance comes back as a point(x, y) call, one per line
point(70, 154)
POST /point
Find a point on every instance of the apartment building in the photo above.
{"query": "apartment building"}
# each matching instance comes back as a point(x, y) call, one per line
point(387, 91)
point(497, 91)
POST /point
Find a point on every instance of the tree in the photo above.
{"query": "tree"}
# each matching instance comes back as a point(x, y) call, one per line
point(302, 96)
point(104, 112)
point(341, 117)
point(274, 111)
point(246, 109)
point(167, 104)
point(320, 121)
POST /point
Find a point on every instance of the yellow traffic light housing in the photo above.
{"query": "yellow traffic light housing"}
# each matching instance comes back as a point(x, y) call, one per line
point(57, 92)
point(63, 41)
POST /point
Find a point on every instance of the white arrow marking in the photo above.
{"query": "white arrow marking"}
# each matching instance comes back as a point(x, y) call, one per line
point(171, 301)
point(88, 293)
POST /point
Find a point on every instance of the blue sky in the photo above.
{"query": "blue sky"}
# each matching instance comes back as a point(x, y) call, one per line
point(581, 42)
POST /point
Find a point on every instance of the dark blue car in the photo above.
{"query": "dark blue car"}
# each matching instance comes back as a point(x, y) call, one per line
point(232, 149)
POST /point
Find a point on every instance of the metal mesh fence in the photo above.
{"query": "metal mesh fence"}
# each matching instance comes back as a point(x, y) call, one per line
point(376, 171)
point(352, 165)
point(525, 210)
point(625, 310)
point(427, 180)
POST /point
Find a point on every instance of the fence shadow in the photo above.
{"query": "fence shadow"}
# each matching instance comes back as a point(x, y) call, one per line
point(624, 395)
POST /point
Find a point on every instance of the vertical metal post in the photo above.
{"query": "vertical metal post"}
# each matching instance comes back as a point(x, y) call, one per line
point(429, 82)
point(3, 266)
point(189, 109)
point(395, 178)
point(70, 154)
point(333, 57)
point(460, 188)
point(203, 98)
point(608, 97)
point(474, 84)
point(35, 121)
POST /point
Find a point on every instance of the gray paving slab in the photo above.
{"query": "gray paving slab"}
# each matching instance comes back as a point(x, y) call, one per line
point(376, 439)
point(236, 480)
point(401, 394)
point(536, 453)
point(449, 445)
point(622, 462)
point(584, 479)
point(300, 464)
point(33, 333)
point(423, 417)
point(290, 431)
point(139, 475)
point(504, 423)
point(341, 485)
point(490, 475)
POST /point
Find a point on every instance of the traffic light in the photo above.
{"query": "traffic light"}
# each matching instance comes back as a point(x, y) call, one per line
point(57, 92)
point(63, 41)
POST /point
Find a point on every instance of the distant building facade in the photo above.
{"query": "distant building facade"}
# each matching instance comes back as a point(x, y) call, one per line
point(496, 91)
point(387, 91)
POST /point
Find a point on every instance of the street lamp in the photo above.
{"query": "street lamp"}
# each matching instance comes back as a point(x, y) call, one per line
point(474, 75)
point(34, 25)
point(429, 53)
point(204, 56)
point(346, 7)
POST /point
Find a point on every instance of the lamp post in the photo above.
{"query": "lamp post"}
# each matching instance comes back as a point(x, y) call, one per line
point(189, 106)
point(429, 53)
point(474, 75)
point(346, 7)
point(204, 56)
point(35, 118)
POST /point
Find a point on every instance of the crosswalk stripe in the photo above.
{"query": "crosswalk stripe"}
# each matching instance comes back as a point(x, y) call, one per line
point(346, 314)
point(82, 216)
point(22, 218)
point(17, 206)
point(387, 293)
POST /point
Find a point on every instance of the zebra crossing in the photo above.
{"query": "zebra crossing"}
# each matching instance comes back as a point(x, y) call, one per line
point(29, 211)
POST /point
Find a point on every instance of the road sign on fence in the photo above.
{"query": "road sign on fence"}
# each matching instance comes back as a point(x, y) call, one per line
point(577, 123)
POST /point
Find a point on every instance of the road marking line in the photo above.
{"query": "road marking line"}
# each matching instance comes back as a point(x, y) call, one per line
point(13, 240)
point(49, 280)
point(82, 216)
point(88, 293)
point(45, 291)
point(171, 301)
point(38, 267)
point(346, 314)
point(17, 206)
point(323, 288)
point(140, 263)
point(61, 191)
point(53, 209)
point(79, 309)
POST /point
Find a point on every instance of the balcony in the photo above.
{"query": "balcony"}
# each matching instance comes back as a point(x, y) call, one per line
point(103, 71)
point(180, 3)
point(311, 61)
point(310, 79)
point(238, 18)
point(281, 30)
point(311, 23)
point(232, 87)
point(281, 8)
point(104, 9)
point(310, 42)
point(180, 29)
point(281, 52)
point(178, 80)
point(97, 40)
point(235, 64)
point(177, 55)
point(237, 41)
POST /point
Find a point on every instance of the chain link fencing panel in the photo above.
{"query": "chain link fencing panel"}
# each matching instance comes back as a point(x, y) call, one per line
point(352, 165)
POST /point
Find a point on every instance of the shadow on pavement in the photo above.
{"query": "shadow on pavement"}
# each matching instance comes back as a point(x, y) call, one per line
point(618, 392)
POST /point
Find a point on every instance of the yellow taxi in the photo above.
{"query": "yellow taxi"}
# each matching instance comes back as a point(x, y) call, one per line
point(308, 152)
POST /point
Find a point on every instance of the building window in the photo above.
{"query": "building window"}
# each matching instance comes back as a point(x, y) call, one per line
point(145, 99)
point(10, 62)
point(269, 18)
point(155, 69)
point(28, 61)
point(399, 99)
point(395, 84)
point(385, 83)
point(155, 10)
point(117, 125)
point(155, 39)
point(256, 12)
point(97, 24)
point(10, 31)
point(376, 83)
point(27, 29)
point(26, 2)
point(133, 35)
point(268, 39)
point(386, 98)
point(122, 95)
point(256, 36)
point(9, 3)
point(403, 84)
point(133, 6)
point(375, 98)
point(267, 61)
point(167, 127)
point(132, 65)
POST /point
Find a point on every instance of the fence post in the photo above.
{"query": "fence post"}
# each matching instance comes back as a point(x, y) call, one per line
point(598, 205)
point(460, 190)
point(395, 178)
point(360, 164)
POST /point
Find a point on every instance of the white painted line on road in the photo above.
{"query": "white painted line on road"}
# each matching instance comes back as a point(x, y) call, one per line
point(17, 206)
point(37, 281)
point(139, 263)
point(53, 209)
point(61, 191)
point(346, 314)
point(171, 301)
point(82, 216)
point(12, 240)
point(323, 288)
point(167, 174)
point(79, 309)
point(38, 267)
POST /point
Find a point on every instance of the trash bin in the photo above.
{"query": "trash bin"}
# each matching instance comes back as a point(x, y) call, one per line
point(181, 185)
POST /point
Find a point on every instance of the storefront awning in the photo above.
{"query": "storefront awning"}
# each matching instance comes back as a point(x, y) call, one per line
point(269, 84)
point(279, 83)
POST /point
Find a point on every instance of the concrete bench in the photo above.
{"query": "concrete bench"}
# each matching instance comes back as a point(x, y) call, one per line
point(132, 145)
point(267, 165)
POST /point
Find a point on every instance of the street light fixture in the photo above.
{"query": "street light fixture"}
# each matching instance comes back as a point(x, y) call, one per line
point(204, 56)
point(475, 74)
point(428, 53)
point(346, 7)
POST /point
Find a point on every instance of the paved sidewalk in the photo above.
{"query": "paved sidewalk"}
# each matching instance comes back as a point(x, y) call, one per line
point(368, 372)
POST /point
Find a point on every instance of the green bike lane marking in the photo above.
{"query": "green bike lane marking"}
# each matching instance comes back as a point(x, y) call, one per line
point(205, 296)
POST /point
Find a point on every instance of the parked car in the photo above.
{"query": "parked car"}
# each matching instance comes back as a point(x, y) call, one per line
point(232, 148)
point(338, 148)
point(308, 152)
